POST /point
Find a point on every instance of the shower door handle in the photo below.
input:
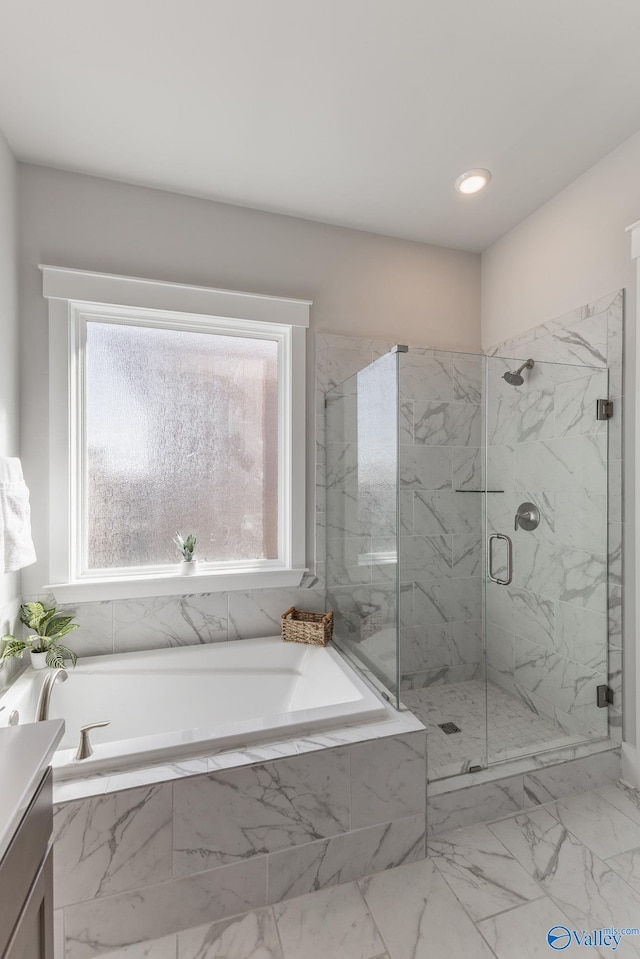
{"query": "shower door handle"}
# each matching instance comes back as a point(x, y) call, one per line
point(496, 579)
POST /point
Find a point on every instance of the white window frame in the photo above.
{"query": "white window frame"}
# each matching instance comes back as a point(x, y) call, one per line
point(76, 296)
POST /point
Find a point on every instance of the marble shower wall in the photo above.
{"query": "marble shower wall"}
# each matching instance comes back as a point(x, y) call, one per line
point(556, 632)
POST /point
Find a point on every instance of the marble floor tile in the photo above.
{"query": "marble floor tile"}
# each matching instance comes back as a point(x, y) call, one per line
point(522, 932)
point(480, 871)
point(597, 824)
point(419, 917)
point(252, 936)
point(332, 923)
point(583, 887)
point(624, 798)
point(627, 865)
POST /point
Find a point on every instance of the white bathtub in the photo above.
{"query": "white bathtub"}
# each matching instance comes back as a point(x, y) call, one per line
point(194, 700)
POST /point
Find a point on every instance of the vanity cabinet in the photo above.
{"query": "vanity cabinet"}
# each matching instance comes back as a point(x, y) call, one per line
point(26, 883)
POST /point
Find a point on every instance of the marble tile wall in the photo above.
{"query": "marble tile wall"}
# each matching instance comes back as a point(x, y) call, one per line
point(129, 625)
point(151, 861)
point(556, 632)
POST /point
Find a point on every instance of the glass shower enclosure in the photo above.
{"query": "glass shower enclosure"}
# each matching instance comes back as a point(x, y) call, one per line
point(467, 547)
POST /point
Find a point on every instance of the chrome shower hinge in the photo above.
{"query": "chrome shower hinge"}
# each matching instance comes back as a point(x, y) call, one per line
point(604, 409)
point(604, 696)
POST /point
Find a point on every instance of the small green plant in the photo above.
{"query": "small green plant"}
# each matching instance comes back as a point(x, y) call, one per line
point(186, 547)
point(48, 628)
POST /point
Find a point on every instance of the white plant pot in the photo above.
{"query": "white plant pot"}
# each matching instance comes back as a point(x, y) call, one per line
point(189, 568)
point(38, 660)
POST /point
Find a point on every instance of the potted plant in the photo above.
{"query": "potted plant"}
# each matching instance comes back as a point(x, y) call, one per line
point(44, 645)
point(186, 547)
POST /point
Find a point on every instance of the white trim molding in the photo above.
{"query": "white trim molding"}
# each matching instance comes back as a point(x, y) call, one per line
point(76, 297)
point(631, 744)
point(60, 283)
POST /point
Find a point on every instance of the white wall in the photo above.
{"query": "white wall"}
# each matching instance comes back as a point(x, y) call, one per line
point(9, 362)
point(570, 252)
point(361, 283)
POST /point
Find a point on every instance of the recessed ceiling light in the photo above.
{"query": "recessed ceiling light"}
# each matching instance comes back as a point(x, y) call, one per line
point(472, 181)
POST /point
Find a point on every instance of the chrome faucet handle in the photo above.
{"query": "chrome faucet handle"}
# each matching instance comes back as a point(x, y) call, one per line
point(527, 516)
point(85, 748)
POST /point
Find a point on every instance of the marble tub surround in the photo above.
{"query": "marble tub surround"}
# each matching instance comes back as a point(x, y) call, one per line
point(153, 860)
point(396, 724)
point(566, 621)
point(484, 892)
point(133, 625)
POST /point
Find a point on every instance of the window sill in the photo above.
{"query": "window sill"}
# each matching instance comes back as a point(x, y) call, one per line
point(169, 584)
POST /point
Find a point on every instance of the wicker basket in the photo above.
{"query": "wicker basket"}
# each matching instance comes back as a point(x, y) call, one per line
point(299, 626)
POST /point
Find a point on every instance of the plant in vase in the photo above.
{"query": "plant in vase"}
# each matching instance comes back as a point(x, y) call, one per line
point(186, 548)
point(44, 645)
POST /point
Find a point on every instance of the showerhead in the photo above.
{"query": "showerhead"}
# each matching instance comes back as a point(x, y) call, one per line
point(513, 377)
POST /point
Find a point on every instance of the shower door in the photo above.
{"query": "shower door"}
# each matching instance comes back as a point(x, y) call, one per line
point(441, 554)
point(546, 557)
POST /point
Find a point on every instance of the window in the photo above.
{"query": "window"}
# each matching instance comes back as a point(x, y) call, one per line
point(184, 420)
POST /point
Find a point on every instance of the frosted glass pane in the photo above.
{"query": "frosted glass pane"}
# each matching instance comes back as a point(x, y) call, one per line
point(182, 434)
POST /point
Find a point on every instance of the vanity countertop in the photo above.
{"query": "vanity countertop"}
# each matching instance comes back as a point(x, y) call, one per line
point(25, 753)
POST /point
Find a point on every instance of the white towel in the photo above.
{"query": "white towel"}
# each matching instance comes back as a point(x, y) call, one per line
point(16, 546)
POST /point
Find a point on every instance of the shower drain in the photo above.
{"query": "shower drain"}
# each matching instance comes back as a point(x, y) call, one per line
point(449, 728)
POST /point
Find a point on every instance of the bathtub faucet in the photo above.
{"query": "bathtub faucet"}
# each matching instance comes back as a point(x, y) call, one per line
point(56, 675)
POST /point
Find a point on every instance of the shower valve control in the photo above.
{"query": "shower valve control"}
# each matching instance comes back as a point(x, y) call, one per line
point(527, 516)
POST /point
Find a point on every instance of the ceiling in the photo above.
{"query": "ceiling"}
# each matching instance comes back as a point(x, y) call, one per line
point(355, 112)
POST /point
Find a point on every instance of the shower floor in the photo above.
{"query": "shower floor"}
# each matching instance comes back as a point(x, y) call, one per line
point(515, 730)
